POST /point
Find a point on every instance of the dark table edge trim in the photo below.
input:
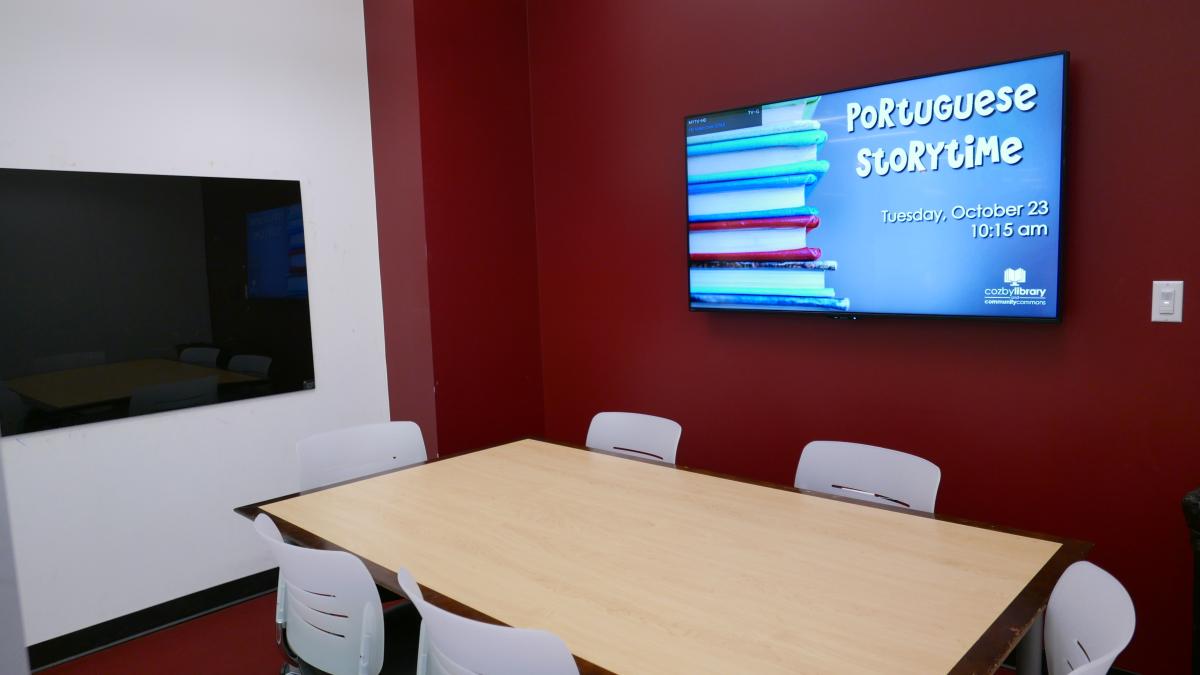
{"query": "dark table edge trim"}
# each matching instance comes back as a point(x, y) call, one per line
point(984, 656)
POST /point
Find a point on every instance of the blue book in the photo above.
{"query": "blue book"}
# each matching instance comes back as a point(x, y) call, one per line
point(764, 281)
point(782, 301)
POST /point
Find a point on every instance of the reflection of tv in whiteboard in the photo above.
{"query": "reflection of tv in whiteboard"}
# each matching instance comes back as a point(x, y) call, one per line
point(275, 264)
point(930, 196)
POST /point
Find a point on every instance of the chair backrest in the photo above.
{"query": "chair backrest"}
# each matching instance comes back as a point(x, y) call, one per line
point(1089, 621)
point(332, 611)
point(636, 435)
point(200, 356)
point(457, 645)
point(344, 454)
point(251, 364)
point(173, 395)
point(869, 473)
point(57, 362)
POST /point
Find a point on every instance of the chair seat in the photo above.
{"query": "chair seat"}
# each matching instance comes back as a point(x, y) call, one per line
point(401, 637)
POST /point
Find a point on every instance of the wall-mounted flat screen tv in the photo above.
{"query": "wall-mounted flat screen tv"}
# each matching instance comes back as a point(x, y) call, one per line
point(127, 294)
point(931, 196)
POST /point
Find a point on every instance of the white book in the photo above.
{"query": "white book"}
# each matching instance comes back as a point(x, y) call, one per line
point(743, 201)
point(750, 159)
point(751, 132)
point(788, 111)
point(751, 240)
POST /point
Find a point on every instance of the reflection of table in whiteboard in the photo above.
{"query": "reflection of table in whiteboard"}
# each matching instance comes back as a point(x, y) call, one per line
point(112, 382)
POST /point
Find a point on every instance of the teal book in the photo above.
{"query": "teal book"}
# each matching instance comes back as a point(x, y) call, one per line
point(810, 138)
point(748, 132)
point(760, 213)
point(764, 183)
point(754, 194)
point(816, 167)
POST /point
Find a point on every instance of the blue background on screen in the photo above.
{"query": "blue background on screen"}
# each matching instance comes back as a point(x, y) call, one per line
point(938, 268)
point(275, 265)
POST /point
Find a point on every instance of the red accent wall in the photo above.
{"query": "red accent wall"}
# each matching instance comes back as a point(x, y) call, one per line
point(1086, 429)
point(476, 152)
point(399, 201)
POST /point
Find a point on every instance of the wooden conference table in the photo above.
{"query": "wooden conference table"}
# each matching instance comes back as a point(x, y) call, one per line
point(646, 568)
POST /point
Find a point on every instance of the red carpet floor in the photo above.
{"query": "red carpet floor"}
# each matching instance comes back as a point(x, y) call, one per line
point(234, 641)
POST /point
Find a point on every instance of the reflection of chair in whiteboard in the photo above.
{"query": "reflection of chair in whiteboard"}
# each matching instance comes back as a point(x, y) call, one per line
point(1014, 277)
point(200, 356)
point(173, 396)
point(251, 364)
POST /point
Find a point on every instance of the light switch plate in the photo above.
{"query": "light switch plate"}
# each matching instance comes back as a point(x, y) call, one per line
point(1166, 302)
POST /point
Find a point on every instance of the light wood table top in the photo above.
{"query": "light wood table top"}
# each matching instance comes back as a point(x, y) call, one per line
point(92, 385)
point(646, 568)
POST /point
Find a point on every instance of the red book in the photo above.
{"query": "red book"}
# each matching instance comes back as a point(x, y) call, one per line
point(807, 253)
point(786, 221)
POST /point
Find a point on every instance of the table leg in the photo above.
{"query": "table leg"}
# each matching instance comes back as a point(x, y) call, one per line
point(1029, 652)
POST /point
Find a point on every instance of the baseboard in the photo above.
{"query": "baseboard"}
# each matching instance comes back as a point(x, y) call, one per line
point(93, 638)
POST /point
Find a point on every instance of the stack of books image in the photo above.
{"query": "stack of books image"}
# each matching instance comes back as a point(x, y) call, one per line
point(749, 220)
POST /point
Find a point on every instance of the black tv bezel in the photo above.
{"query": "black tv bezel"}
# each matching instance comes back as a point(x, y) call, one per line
point(1062, 218)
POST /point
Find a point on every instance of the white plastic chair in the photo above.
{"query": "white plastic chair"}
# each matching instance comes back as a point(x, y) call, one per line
point(1089, 621)
point(455, 645)
point(269, 532)
point(173, 396)
point(344, 454)
point(200, 356)
point(868, 473)
point(636, 435)
point(328, 605)
point(251, 364)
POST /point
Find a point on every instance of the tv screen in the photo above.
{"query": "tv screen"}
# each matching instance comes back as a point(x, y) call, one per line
point(931, 196)
point(124, 295)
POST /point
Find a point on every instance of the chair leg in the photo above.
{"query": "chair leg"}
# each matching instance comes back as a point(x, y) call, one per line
point(422, 653)
point(291, 665)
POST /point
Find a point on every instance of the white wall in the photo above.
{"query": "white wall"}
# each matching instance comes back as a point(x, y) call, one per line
point(114, 517)
point(13, 658)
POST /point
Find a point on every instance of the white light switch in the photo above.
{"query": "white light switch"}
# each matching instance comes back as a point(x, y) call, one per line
point(1167, 302)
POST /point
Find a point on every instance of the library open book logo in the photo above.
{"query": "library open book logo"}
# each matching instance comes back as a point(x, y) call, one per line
point(1013, 291)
